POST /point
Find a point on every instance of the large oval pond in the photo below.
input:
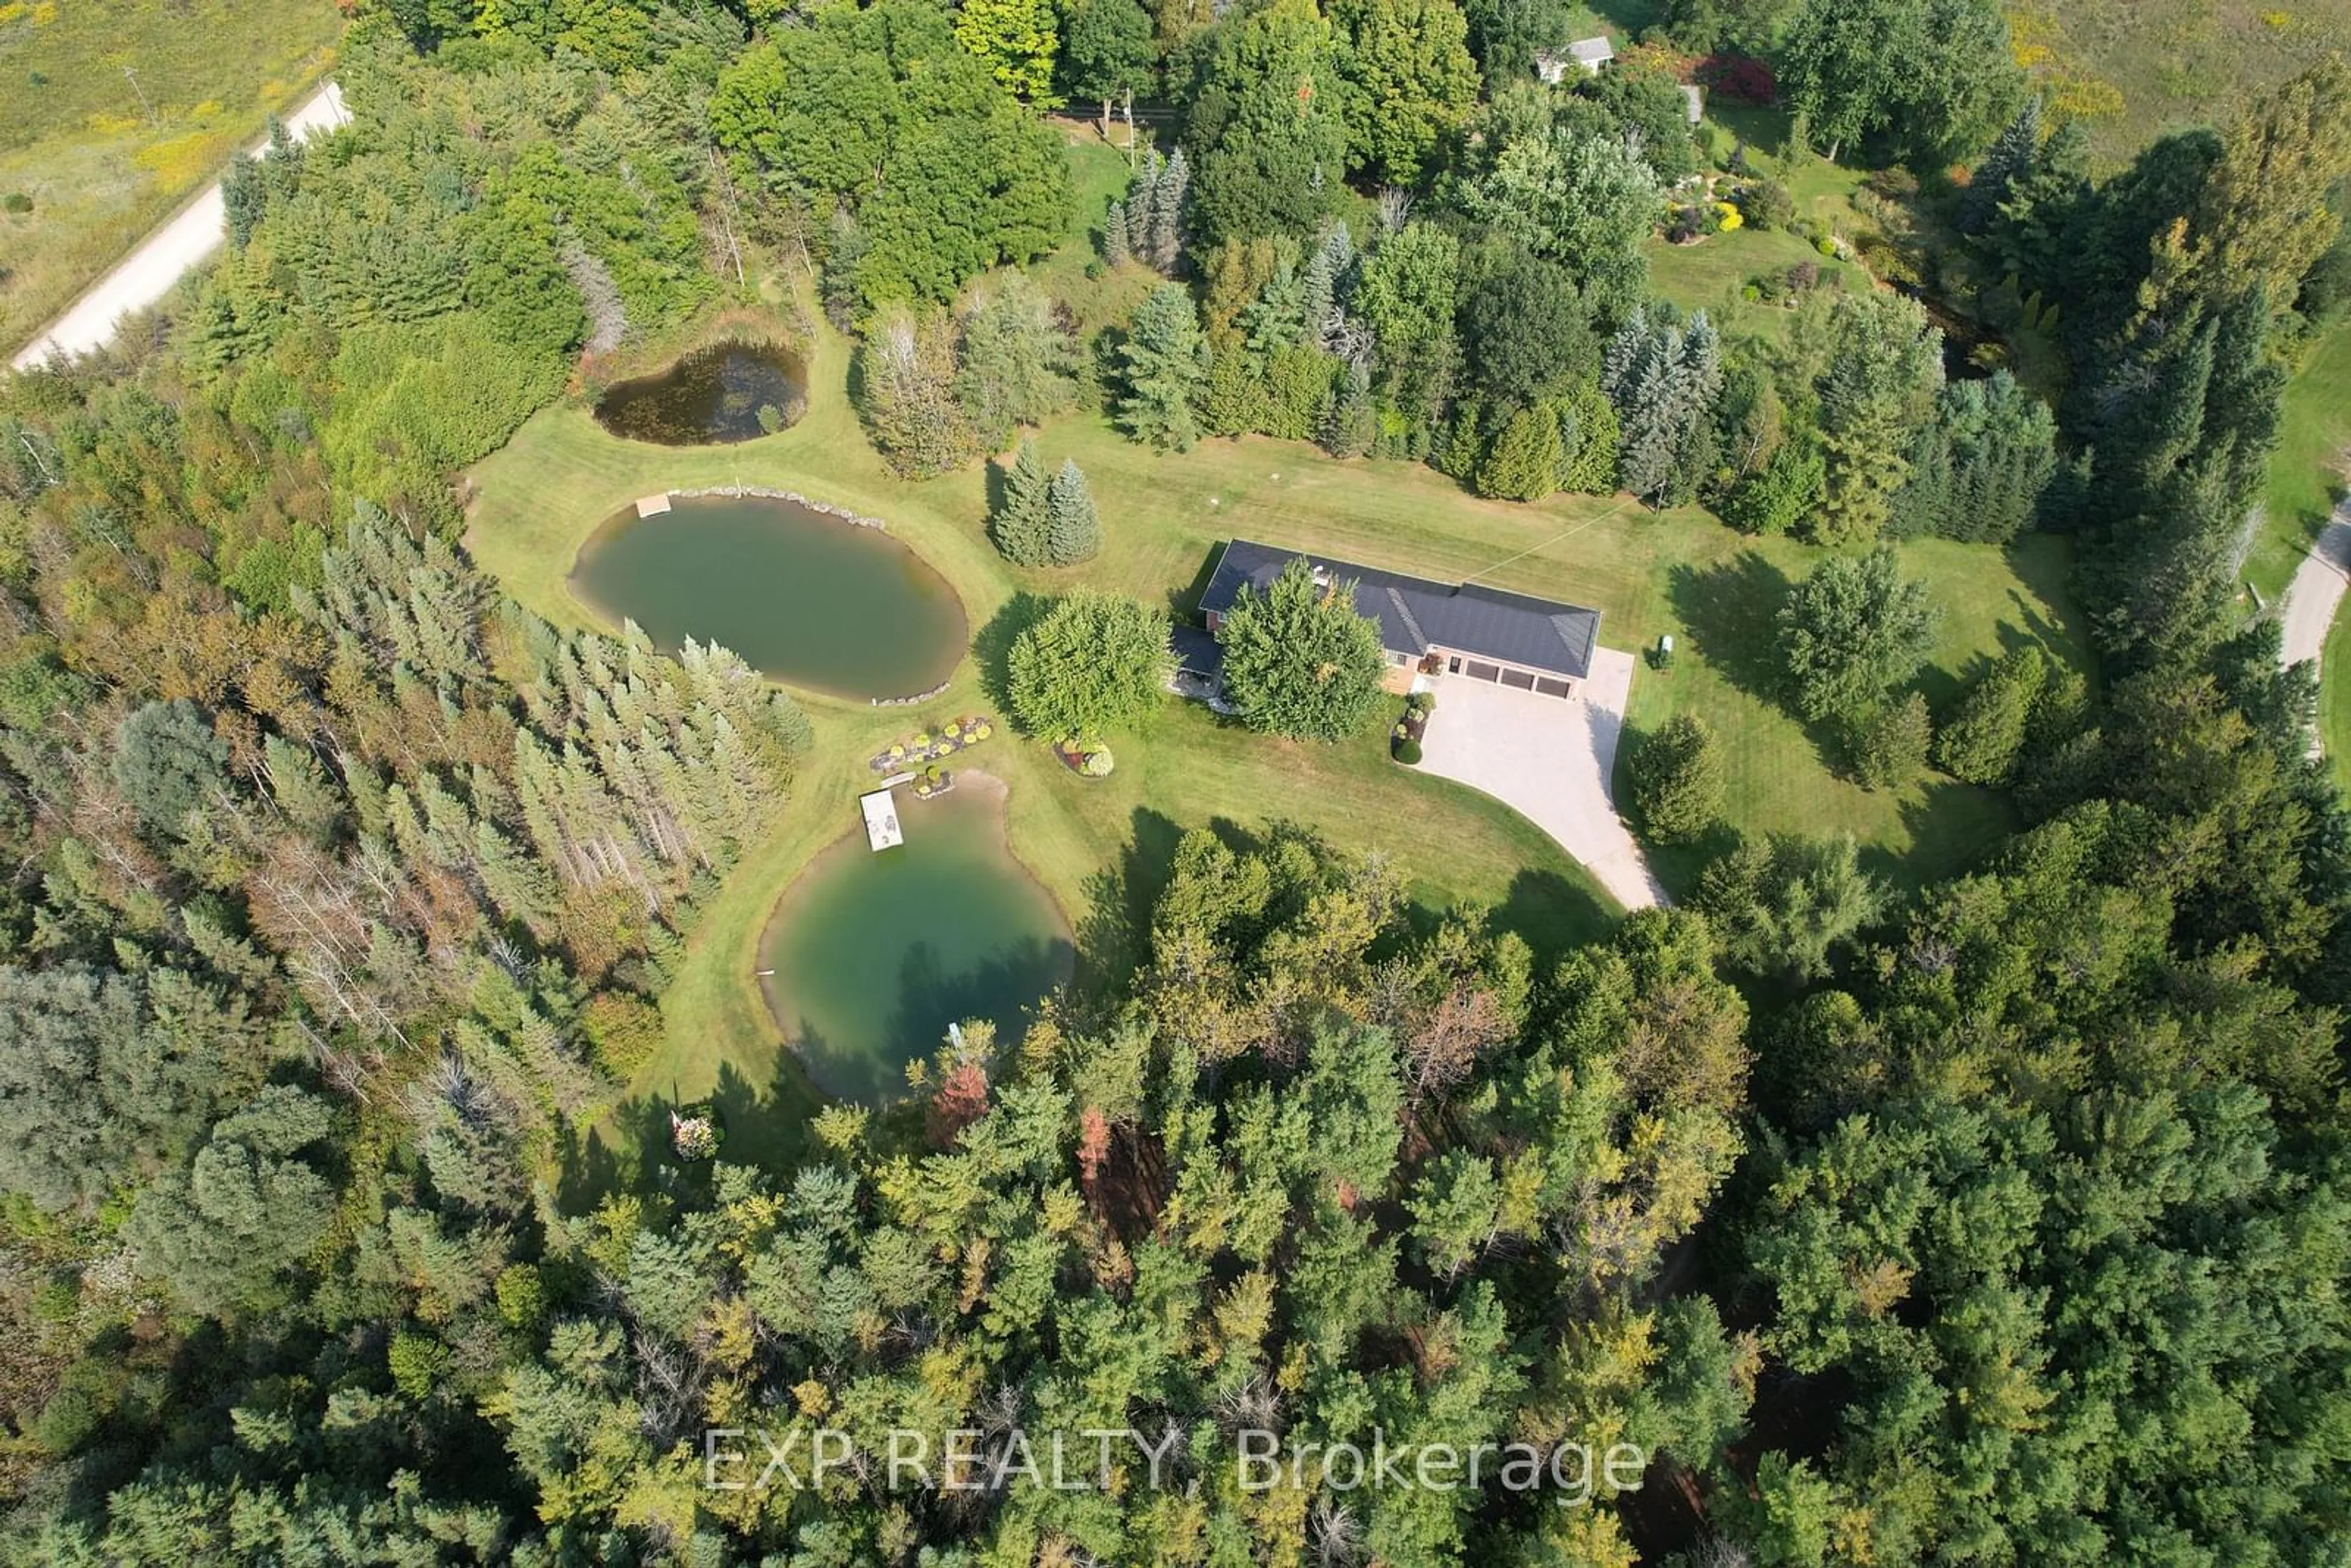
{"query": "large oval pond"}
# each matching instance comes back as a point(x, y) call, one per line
point(727, 391)
point(871, 955)
point(809, 599)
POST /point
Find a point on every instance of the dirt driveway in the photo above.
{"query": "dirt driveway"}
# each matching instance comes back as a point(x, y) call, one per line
point(163, 257)
point(1548, 760)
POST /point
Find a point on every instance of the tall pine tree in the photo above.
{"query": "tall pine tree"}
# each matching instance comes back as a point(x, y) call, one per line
point(1020, 526)
point(1072, 526)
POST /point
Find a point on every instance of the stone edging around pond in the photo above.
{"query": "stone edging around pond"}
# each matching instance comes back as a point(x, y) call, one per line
point(938, 690)
point(769, 492)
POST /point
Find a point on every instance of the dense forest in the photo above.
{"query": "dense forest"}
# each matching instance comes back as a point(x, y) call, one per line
point(2007, 1221)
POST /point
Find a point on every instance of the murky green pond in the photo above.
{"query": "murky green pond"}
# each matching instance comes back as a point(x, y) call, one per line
point(809, 599)
point(875, 955)
point(727, 391)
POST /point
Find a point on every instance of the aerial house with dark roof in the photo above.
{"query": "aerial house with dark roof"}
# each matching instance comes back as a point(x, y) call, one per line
point(1456, 629)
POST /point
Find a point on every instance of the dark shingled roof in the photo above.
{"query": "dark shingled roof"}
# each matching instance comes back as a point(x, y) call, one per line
point(1415, 614)
point(1196, 653)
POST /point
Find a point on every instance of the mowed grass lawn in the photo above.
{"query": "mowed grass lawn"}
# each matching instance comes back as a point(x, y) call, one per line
point(2309, 470)
point(1098, 846)
point(101, 164)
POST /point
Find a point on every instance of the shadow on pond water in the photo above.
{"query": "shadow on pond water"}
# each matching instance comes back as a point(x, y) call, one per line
point(871, 956)
point(725, 393)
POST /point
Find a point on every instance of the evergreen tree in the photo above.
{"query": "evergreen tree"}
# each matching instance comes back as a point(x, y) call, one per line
point(1021, 526)
point(1167, 367)
point(1072, 527)
point(1165, 243)
point(1887, 745)
point(1781, 495)
point(1979, 468)
point(1329, 273)
point(1983, 737)
point(1591, 436)
point(1018, 362)
point(1116, 246)
point(1878, 387)
point(1094, 663)
point(1664, 381)
point(2013, 154)
point(1524, 461)
point(1677, 781)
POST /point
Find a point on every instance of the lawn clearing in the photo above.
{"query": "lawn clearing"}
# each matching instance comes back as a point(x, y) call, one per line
point(1098, 846)
point(120, 111)
point(2308, 470)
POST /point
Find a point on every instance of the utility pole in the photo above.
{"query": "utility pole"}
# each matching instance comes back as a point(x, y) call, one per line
point(131, 72)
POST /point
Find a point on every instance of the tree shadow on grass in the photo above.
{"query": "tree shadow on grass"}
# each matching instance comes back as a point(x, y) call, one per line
point(1556, 915)
point(1729, 614)
point(1952, 827)
point(629, 1152)
point(991, 646)
point(1184, 603)
point(1114, 937)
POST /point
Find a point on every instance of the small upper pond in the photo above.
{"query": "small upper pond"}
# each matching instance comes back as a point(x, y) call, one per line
point(727, 391)
point(809, 599)
point(874, 955)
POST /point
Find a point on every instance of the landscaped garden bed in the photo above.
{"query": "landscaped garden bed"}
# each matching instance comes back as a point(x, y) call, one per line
point(925, 745)
point(1404, 742)
point(932, 782)
point(1087, 759)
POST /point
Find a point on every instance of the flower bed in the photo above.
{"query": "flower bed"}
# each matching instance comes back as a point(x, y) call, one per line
point(924, 745)
point(932, 782)
point(1086, 760)
point(1404, 742)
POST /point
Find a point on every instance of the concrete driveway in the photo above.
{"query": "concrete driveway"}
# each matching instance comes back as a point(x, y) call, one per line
point(1548, 760)
point(2312, 598)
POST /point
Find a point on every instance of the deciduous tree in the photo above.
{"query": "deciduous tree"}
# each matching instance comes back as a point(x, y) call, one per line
point(1300, 660)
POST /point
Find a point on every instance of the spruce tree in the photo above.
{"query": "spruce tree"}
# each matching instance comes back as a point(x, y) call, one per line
point(1143, 205)
point(1116, 246)
point(1167, 370)
point(1326, 283)
point(2011, 155)
point(1664, 381)
point(1165, 240)
point(1073, 529)
point(1020, 526)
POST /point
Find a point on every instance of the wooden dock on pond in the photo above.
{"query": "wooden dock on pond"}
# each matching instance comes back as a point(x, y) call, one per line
point(882, 830)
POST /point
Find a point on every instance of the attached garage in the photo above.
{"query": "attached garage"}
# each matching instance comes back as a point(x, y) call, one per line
point(1478, 671)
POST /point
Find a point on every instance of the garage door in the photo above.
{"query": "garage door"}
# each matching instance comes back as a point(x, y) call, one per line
point(1551, 688)
point(1477, 671)
point(1522, 679)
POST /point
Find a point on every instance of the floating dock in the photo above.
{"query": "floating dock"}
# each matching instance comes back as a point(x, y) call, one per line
point(880, 808)
point(653, 506)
